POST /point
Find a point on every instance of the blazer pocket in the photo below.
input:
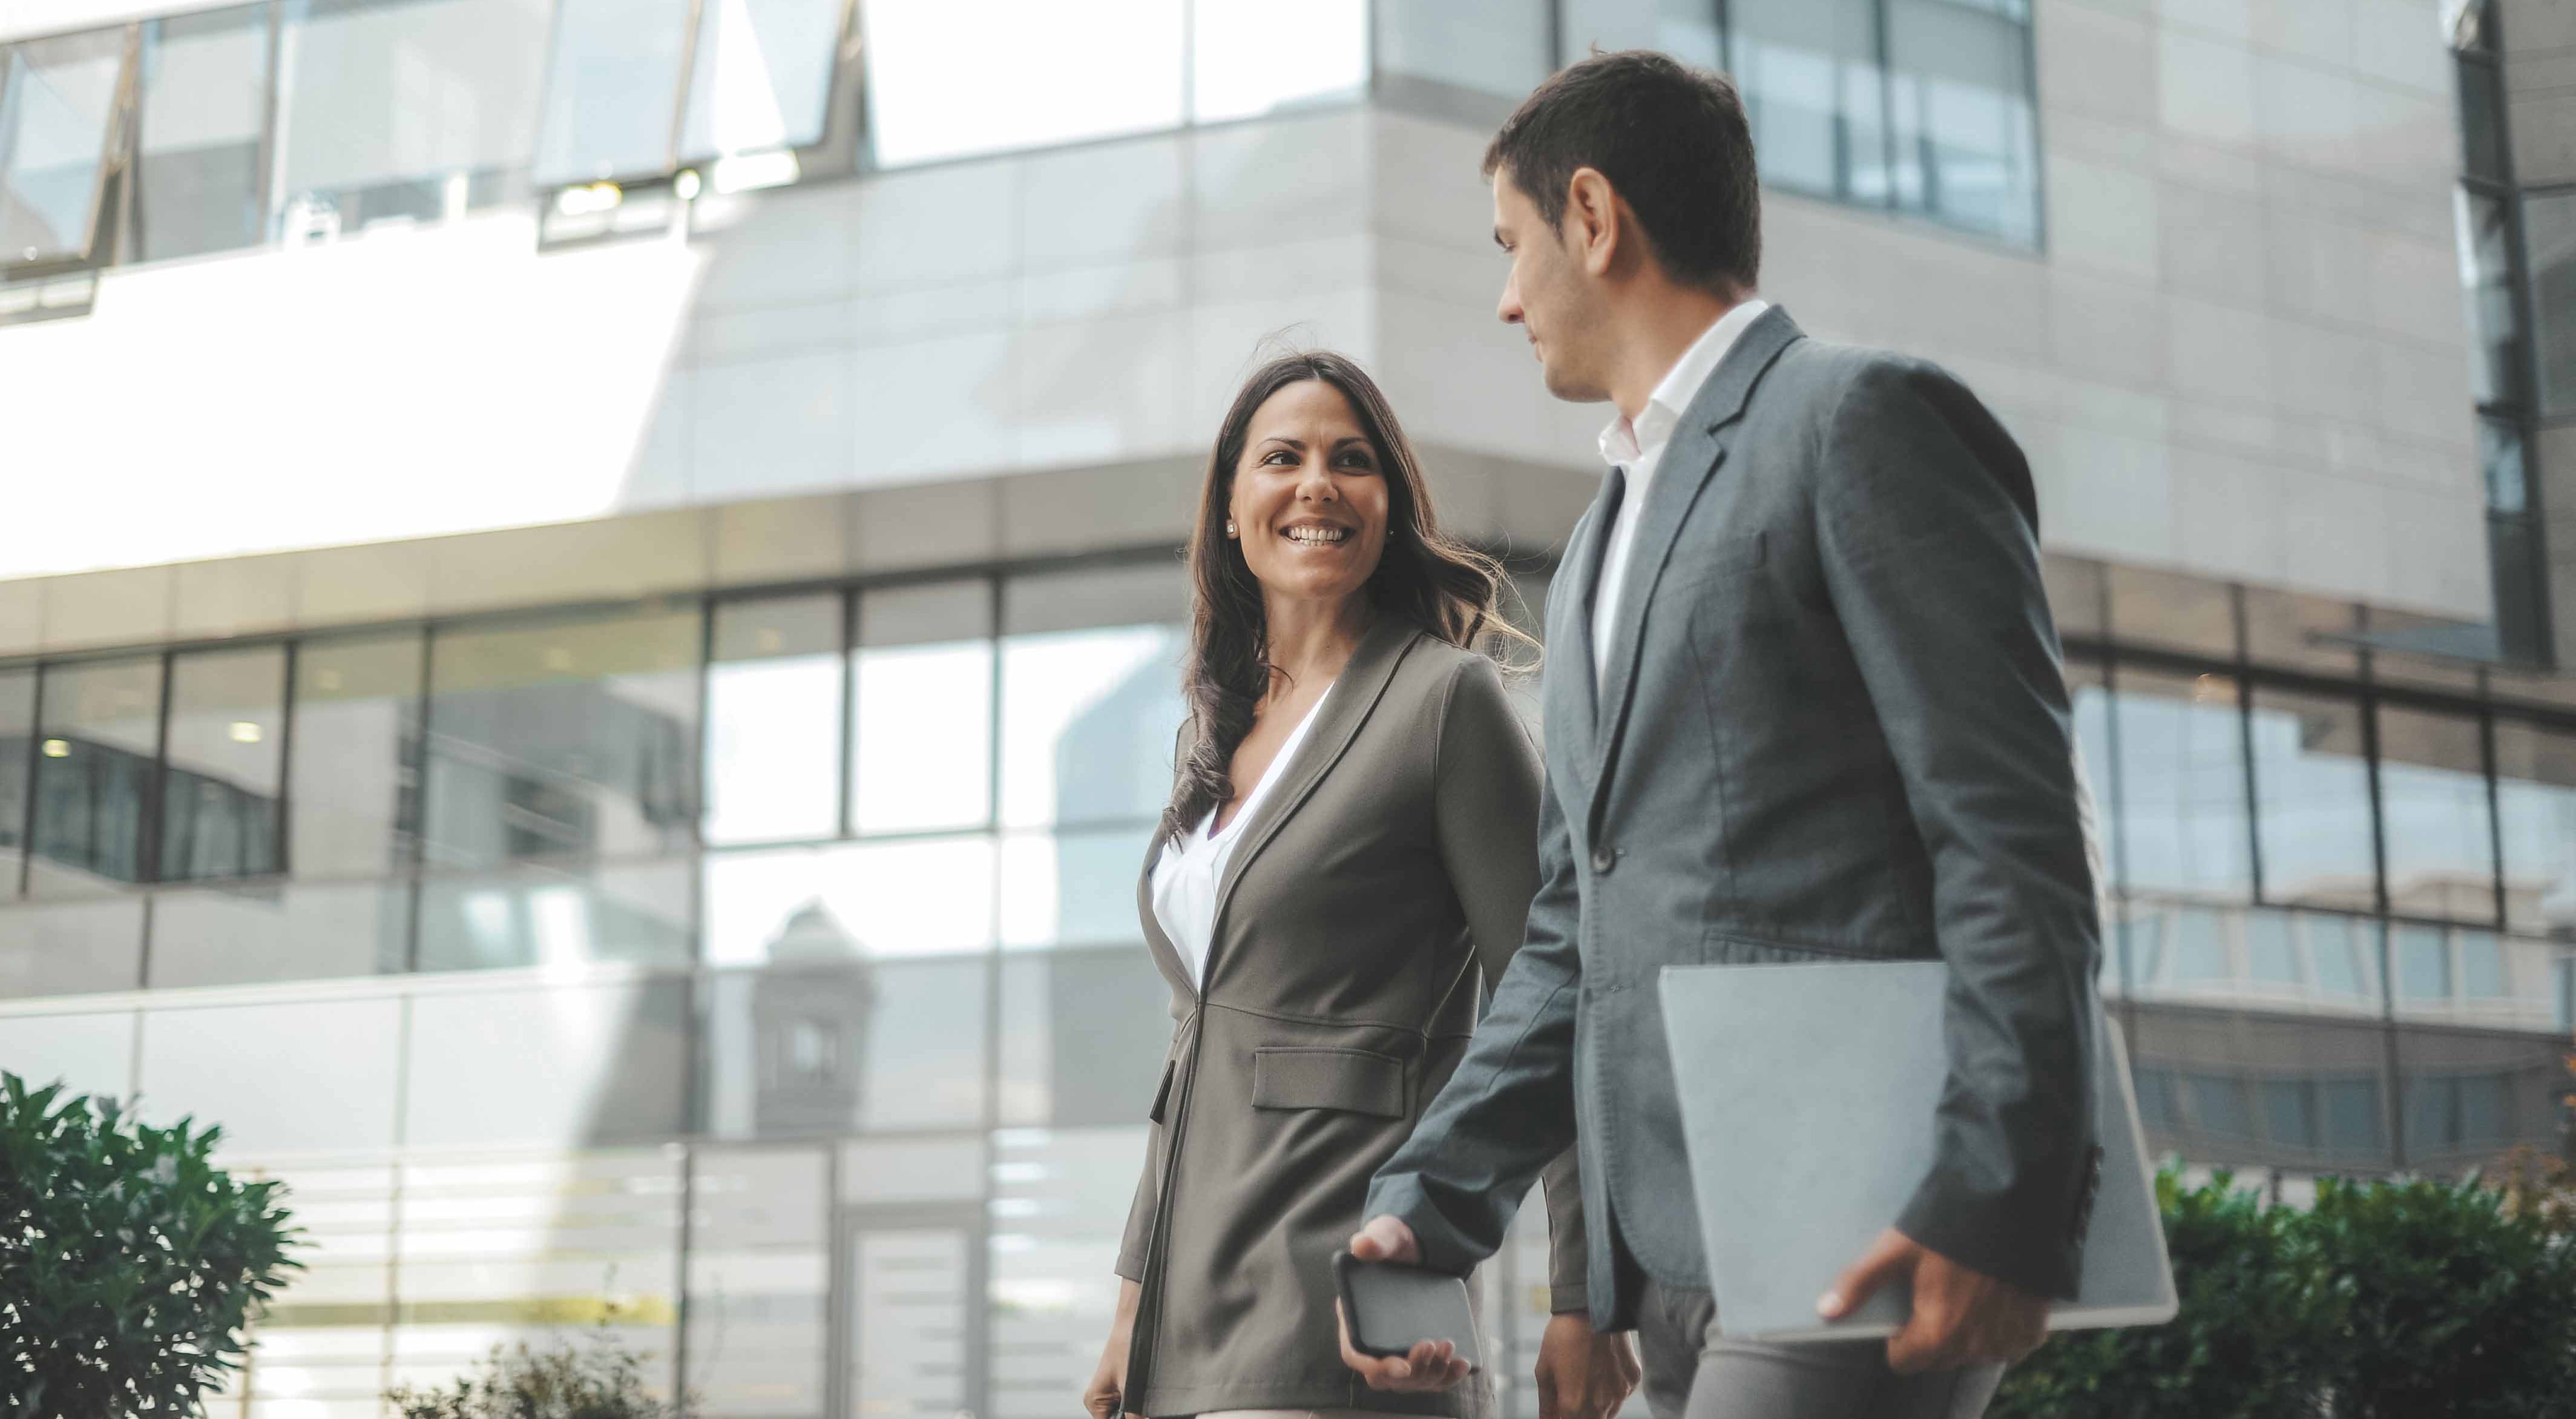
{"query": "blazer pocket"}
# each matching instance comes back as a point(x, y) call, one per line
point(1163, 1091)
point(1357, 1080)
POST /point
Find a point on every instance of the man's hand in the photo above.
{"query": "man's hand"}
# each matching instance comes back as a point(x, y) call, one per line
point(1107, 1392)
point(1961, 1316)
point(1583, 1374)
point(1431, 1365)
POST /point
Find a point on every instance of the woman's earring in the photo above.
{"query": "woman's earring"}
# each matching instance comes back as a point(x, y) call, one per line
point(1229, 527)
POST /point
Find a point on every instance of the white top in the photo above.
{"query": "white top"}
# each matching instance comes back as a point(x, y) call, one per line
point(1639, 447)
point(1187, 874)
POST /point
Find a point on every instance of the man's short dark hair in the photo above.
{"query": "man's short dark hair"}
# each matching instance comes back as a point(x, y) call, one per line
point(1671, 139)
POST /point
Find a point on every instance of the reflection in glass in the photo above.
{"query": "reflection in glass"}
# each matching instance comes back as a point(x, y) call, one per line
point(2501, 465)
point(220, 782)
point(923, 689)
point(1072, 888)
point(1964, 134)
point(1251, 57)
point(2423, 963)
point(759, 1280)
point(354, 789)
point(1090, 696)
point(2485, 236)
point(2345, 952)
point(2549, 248)
point(2200, 946)
point(2181, 812)
point(2270, 956)
point(57, 102)
point(946, 80)
point(908, 1318)
point(763, 76)
point(404, 109)
point(2216, 1104)
point(98, 733)
point(71, 947)
point(1485, 46)
point(564, 738)
point(773, 751)
point(547, 1065)
point(1814, 92)
point(612, 83)
point(922, 897)
point(2473, 1094)
point(2280, 1090)
point(1059, 1201)
point(17, 758)
point(2482, 121)
point(1083, 1036)
point(824, 1041)
point(2481, 965)
point(275, 931)
point(2536, 814)
point(204, 112)
point(2313, 788)
point(2437, 832)
point(541, 916)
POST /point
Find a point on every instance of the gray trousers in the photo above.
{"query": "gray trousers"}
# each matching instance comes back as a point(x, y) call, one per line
point(1691, 1373)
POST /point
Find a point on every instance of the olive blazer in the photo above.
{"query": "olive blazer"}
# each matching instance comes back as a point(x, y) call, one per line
point(1371, 901)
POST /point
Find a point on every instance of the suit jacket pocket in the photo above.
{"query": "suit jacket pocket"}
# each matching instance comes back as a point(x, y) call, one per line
point(1360, 1081)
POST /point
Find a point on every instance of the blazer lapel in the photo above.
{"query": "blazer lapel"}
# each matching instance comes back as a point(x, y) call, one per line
point(1692, 459)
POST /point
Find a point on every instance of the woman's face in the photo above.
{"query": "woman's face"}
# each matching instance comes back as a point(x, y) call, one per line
point(1309, 502)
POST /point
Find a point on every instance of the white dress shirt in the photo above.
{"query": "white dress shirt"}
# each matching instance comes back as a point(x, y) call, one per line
point(1638, 447)
point(1186, 876)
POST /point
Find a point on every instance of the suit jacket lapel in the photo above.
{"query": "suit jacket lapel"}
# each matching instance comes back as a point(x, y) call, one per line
point(1697, 449)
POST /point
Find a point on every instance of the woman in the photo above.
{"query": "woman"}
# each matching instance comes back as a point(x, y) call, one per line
point(1345, 866)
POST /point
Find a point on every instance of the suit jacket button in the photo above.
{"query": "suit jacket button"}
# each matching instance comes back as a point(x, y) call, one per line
point(1604, 857)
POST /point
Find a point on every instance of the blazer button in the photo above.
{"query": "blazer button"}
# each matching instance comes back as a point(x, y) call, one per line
point(1604, 857)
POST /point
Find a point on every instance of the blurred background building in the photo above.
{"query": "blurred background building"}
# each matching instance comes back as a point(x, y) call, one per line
point(588, 598)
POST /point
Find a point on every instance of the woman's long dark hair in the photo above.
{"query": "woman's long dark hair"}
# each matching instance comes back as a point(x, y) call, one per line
point(1444, 587)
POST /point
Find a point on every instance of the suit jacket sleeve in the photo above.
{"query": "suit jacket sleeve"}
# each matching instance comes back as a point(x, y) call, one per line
point(1508, 1110)
point(1926, 531)
point(1487, 778)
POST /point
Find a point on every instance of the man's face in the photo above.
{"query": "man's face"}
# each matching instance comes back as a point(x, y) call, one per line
point(1550, 296)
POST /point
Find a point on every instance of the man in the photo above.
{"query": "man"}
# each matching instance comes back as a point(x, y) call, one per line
point(1803, 702)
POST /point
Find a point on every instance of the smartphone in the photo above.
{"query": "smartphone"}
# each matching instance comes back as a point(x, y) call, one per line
point(1392, 1308)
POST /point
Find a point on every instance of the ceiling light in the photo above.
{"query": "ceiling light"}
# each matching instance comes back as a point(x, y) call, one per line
point(592, 197)
point(57, 749)
point(687, 184)
point(246, 732)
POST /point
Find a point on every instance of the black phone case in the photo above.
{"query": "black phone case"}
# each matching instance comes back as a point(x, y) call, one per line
point(1392, 1308)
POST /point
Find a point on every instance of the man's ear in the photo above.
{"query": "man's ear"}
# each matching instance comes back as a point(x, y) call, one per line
point(1592, 226)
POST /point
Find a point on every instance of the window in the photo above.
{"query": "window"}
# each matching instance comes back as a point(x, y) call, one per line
point(909, 897)
point(2312, 791)
point(199, 184)
point(815, 1044)
point(220, 785)
point(2549, 236)
point(1084, 1032)
point(612, 89)
point(2439, 836)
point(2345, 951)
point(1059, 1202)
point(2487, 286)
point(58, 104)
point(1090, 695)
point(773, 751)
point(2270, 956)
point(1250, 57)
point(556, 915)
point(922, 681)
point(2423, 965)
point(763, 77)
point(2536, 820)
point(98, 736)
point(946, 80)
point(759, 1279)
point(1496, 47)
point(354, 784)
point(17, 757)
point(2181, 785)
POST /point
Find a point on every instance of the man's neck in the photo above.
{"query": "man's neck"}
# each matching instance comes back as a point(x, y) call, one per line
point(1661, 326)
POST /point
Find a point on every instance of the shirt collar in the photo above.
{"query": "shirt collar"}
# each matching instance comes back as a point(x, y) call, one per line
point(1623, 445)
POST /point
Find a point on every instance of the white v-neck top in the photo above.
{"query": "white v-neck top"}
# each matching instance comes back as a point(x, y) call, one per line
point(1186, 876)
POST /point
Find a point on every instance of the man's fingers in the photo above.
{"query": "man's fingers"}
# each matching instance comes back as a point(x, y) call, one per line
point(1922, 1345)
point(1384, 1238)
point(1888, 1259)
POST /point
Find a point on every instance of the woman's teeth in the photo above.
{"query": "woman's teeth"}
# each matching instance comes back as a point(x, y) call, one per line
point(1319, 536)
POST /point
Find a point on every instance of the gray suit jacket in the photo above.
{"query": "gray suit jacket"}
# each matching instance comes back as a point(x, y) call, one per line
point(1834, 726)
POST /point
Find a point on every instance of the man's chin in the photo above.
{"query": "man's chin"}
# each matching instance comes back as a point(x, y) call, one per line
point(1567, 387)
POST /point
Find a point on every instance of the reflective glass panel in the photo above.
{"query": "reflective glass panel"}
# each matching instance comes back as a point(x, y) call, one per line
point(2549, 246)
point(774, 720)
point(2271, 957)
point(205, 109)
point(57, 101)
point(2423, 964)
point(908, 1311)
point(816, 1044)
point(2472, 1095)
point(923, 677)
point(2275, 1090)
point(2482, 121)
point(2200, 946)
point(1814, 92)
point(556, 916)
point(220, 784)
point(2091, 700)
point(404, 109)
point(552, 1065)
point(17, 761)
point(74, 947)
point(1489, 46)
point(918, 897)
point(2312, 791)
point(98, 735)
point(760, 1277)
point(272, 931)
point(612, 85)
point(763, 79)
point(2500, 462)
point(2438, 834)
point(1090, 695)
point(1059, 1203)
point(2486, 284)
point(2345, 952)
point(2536, 813)
point(1964, 133)
point(1250, 57)
point(947, 80)
point(1083, 1036)
point(563, 738)
point(1072, 888)
point(2181, 786)
point(354, 786)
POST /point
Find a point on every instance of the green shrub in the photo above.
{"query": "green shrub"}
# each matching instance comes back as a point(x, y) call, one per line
point(598, 1380)
point(2256, 1337)
point(128, 1263)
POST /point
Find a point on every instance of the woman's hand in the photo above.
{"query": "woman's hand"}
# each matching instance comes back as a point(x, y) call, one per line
point(1583, 1374)
point(1107, 1391)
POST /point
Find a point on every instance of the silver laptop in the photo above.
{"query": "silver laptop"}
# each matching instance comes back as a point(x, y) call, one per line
point(1807, 1096)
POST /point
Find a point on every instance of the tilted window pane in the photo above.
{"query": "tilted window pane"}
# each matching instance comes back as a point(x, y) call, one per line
point(545, 916)
point(2536, 810)
point(1965, 136)
point(918, 897)
point(1250, 57)
point(774, 720)
point(2181, 810)
point(1091, 665)
point(1815, 95)
point(57, 105)
point(2312, 796)
point(219, 791)
point(570, 738)
point(98, 734)
point(1496, 47)
point(923, 682)
point(763, 76)
point(819, 1046)
point(2549, 246)
point(2485, 239)
point(17, 755)
point(612, 84)
point(354, 787)
point(205, 108)
point(405, 109)
point(947, 80)
point(2439, 836)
